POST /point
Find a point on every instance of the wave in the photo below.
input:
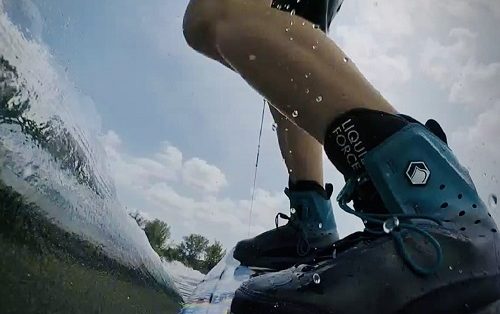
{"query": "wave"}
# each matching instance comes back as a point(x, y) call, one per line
point(50, 154)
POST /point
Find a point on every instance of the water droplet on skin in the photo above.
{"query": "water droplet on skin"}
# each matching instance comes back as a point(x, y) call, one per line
point(306, 75)
point(493, 200)
point(292, 211)
point(291, 80)
point(287, 29)
point(290, 152)
point(320, 225)
point(295, 114)
point(315, 47)
point(390, 224)
point(286, 129)
point(346, 59)
point(275, 126)
point(307, 90)
point(316, 279)
point(291, 38)
point(252, 57)
point(292, 12)
point(319, 99)
point(450, 268)
point(303, 23)
point(315, 26)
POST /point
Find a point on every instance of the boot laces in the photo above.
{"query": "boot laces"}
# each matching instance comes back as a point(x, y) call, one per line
point(398, 222)
point(303, 246)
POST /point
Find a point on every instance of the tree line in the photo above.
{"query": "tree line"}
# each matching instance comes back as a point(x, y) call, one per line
point(194, 250)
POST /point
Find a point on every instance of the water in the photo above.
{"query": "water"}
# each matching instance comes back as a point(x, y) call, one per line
point(66, 243)
point(185, 279)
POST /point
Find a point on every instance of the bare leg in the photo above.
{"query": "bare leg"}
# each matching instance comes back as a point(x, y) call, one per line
point(302, 153)
point(296, 67)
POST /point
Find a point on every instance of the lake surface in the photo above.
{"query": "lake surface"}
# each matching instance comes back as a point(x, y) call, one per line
point(66, 243)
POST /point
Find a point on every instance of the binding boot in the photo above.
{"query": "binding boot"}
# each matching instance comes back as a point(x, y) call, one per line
point(429, 246)
point(311, 228)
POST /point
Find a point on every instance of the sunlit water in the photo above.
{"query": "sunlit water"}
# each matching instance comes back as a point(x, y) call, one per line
point(54, 178)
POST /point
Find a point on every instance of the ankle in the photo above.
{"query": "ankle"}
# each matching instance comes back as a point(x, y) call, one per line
point(352, 135)
point(310, 186)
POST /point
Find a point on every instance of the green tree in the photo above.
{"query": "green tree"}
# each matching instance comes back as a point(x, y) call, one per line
point(213, 254)
point(171, 254)
point(158, 233)
point(191, 249)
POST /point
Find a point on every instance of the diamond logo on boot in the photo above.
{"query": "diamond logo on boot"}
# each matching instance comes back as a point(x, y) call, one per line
point(418, 173)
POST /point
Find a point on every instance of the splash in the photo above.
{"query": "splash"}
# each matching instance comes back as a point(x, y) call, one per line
point(51, 155)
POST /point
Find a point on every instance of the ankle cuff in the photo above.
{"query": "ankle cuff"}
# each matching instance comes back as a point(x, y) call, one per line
point(352, 135)
point(307, 186)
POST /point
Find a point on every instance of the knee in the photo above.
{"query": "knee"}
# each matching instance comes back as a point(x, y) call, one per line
point(200, 21)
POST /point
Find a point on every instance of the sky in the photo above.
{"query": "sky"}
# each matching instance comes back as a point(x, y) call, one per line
point(180, 131)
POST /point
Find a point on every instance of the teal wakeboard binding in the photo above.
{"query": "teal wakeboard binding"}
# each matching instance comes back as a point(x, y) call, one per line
point(430, 244)
point(311, 228)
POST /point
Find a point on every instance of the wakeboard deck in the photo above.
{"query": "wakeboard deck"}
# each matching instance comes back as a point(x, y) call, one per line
point(215, 292)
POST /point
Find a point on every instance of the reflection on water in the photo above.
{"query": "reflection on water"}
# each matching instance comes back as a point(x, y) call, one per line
point(66, 244)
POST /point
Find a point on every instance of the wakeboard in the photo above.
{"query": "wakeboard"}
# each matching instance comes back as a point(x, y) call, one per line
point(215, 292)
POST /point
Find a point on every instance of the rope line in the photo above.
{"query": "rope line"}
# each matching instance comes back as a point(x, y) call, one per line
point(256, 167)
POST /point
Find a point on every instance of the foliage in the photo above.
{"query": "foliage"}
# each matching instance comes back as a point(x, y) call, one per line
point(192, 248)
point(171, 254)
point(158, 232)
point(194, 251)
point(213, 254)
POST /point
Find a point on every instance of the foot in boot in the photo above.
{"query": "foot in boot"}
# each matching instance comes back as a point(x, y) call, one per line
point(311, 228)
point(432, 248)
